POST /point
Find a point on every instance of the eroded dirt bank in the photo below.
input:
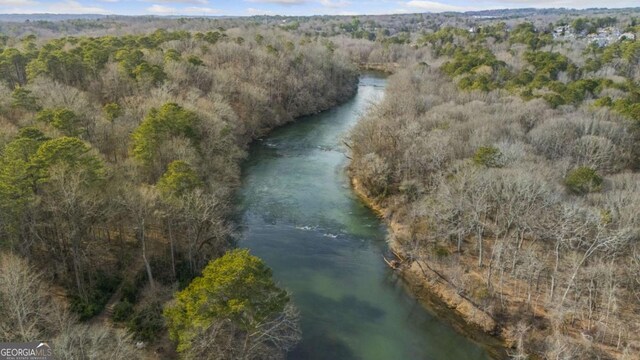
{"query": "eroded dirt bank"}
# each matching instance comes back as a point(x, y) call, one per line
point(434, 291)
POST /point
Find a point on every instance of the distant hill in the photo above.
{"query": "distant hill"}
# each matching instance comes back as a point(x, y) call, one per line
point(496, 13)
point(48, 17)
point(501, 13)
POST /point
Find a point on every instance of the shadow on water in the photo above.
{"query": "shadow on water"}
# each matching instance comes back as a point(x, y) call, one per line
point(348, 306)
point(321, 346)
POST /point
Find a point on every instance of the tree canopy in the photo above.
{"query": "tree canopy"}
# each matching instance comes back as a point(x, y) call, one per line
point(69, 152)
point(160, 124)
point(178, 179)
point(236, 287)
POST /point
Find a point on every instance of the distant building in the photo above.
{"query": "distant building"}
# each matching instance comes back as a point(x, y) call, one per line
point(627, 35)
point(605, 36)
point(565, 32)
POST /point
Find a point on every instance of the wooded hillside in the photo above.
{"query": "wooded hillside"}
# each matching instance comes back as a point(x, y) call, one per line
point(120, 155)
point(514, 170)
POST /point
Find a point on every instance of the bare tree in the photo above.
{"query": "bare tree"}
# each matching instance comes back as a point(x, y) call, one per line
point(27, 308)
point(73, 209)
point(81, 341)
point(30, 310)
point(141, 204)
point(270, 340)
point(205, 230)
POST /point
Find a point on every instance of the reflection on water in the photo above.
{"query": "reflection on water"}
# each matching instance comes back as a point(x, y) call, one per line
point(325, 246)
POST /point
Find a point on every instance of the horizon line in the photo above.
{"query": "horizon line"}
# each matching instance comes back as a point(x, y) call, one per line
point(312, 15)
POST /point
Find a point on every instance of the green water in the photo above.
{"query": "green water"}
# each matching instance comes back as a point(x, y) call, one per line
point(325, 247)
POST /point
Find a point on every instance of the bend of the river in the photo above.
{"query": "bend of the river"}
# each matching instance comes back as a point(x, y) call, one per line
point(325, 246)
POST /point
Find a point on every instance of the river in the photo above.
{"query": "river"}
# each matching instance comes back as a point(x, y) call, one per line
point(325, 246)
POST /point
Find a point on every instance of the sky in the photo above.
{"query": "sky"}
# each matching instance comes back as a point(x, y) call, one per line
point(285, 7)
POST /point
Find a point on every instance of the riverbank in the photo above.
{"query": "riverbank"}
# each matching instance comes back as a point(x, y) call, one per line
point(492, 206)
point(432, 288)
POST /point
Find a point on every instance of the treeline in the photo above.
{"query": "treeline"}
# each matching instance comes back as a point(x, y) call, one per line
point(120, 155)
point(528, 209)
point(526, 61)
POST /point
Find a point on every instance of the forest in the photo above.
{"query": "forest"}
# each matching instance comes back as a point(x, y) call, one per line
point(504, 157)
point(506, 162)
point(120, 156)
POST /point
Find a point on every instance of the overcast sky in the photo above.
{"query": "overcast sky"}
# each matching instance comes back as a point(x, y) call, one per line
point(285, 7)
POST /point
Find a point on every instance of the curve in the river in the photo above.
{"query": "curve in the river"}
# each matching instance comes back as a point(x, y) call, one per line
point(325, 246)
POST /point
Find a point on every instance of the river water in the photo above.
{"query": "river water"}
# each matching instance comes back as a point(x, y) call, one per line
point(325, 246)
